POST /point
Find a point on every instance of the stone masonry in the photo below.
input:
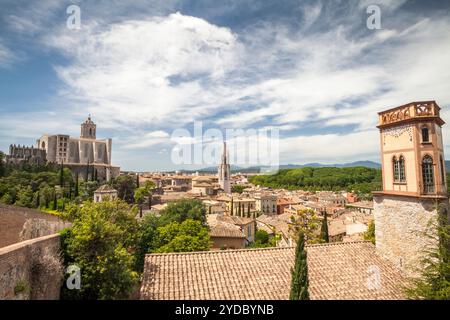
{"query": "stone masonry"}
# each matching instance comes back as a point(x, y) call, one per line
point(404, 228)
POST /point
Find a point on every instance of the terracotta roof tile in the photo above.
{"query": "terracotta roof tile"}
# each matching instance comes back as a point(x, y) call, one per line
point(336, 271)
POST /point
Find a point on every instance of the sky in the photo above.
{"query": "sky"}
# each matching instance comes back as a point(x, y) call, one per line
point(145, 69)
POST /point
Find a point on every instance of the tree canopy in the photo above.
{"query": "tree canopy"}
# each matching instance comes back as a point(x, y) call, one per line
point(359, 179)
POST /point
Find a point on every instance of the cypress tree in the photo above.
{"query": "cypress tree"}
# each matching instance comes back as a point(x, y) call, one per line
point(87, 171)
point(150, 196)
point(232, 206)
point(239, 210)
point(61, 174)
point(248, 210)
point(299, 282)
point(55, 201)
point(324, 229)
point(76, 185)
point(70, 190)
point(137, 180)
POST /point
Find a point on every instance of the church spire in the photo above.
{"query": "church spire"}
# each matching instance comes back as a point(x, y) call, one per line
point(224, 171)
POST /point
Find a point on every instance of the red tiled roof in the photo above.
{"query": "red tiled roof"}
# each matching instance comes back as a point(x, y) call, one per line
point(336, 271)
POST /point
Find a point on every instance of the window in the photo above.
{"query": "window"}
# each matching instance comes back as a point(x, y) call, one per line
point(395, 168)
point(442, 172)
point(428, 174)
point(425, 135)
point(401, 165)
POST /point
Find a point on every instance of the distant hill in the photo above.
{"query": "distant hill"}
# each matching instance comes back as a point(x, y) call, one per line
point(258, 169)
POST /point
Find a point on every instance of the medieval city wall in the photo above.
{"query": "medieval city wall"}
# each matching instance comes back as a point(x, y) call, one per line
point(31, 269)
point(18, 224)
point(404, 228)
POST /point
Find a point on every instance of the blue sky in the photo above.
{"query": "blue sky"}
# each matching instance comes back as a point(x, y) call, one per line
point(145, 68)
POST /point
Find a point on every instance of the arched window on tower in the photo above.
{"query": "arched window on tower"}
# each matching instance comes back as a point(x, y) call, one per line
point(401, 165)
point(395, 169)
point(425, 135)
point(428, 174)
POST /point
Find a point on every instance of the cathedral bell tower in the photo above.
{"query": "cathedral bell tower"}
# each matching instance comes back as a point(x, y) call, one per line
point(88, 129)
point(413, 181)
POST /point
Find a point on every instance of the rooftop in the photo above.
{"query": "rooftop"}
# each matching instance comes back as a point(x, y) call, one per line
point(336, 271)
point(105, 189)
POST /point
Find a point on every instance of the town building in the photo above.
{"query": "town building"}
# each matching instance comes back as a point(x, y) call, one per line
point(266, 203)
point(105, 193)
point(414, 182)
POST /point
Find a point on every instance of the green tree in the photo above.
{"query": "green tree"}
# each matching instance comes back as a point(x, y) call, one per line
point(309, 223)
point(237, 188)
point(125, 186)
point(76, 192)
point(434, 280)
point(55, 201)
point(190, 235)
point(139, 197)
point(61, 175)
point(324, 229)
point(2, 164)
point(370, 233)
point(147, 233)
point(182, 210)
point(101, 241)
point(299, 282)
point(25, 197)
point(262, 237)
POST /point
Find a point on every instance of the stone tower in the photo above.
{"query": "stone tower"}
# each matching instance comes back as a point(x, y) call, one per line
point(88, 129)
point(224, 171)
point(414, 182)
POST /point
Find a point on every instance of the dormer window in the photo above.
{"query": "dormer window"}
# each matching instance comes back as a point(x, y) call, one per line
point(425, 135)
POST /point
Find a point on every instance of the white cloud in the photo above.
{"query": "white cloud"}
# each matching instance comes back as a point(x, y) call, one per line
point(158, 70)
point(6, 56)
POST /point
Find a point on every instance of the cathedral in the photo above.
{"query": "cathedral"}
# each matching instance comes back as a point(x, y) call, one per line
point(86, 156)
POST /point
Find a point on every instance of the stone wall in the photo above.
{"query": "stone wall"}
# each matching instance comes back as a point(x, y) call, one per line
point(404, 228)
point(18, 224)
point(31, 269)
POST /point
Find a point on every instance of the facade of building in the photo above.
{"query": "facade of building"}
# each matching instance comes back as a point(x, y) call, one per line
point(414, 187)
point(105, 193)
point(31, 154)
point(266, 203)
point(225, 171)
point(87, 156)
